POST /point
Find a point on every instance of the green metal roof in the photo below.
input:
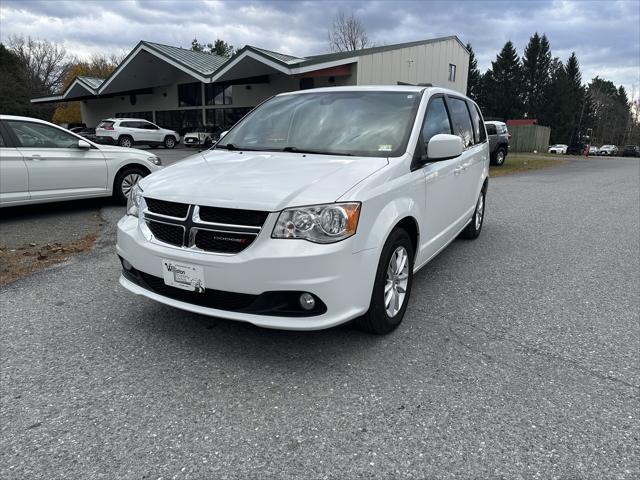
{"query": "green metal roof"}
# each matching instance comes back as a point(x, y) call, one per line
point(277, 55)
point(200, 62)
point(92, 82)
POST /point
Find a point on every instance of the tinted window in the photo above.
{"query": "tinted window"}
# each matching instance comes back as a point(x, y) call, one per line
point(478, 124)
point(366, 123)
point(190, 94)
point(218, 94)
point(181, 121)
point(225, 117)
point(461, 121)
point(2, 142)
point(491, 129)
point(436, 120)
point(147, 126)
point(42, 136)
point(130, 124)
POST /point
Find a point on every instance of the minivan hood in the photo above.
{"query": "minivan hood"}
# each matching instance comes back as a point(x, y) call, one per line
point(259, 180)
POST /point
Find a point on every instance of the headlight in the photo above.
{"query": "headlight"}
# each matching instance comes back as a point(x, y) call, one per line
point(318, 223)
point(134, 200)
point(155, 160)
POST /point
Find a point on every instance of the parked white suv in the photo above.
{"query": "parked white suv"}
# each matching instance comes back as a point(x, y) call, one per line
point(42, 162)
point(315, 209)
point(127, 132)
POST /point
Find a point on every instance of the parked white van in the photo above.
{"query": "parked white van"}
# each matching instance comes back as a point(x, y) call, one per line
point(314, 210)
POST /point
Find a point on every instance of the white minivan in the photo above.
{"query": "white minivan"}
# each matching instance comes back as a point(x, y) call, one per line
point(314, 210)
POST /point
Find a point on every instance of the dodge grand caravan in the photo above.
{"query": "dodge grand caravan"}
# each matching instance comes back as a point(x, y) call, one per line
point(316, 209)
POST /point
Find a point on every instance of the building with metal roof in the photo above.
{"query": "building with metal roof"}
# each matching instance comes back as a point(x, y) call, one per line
point(181, 89)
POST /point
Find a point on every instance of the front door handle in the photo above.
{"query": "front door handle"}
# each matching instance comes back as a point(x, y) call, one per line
point(35, 157)
point(457, 170)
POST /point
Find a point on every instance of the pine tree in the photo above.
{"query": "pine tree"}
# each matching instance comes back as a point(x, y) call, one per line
point(536, 64)
point(503, 85)
point(474, 80)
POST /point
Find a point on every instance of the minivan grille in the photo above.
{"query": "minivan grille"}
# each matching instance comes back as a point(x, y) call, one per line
point(233, 216)
point(210, 229)
point(170, 209)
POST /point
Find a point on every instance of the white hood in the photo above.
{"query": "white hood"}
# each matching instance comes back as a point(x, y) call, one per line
point(259, 180)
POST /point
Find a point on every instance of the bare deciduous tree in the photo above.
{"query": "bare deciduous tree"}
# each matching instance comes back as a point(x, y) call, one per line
point(347, 33)
point(47, 64)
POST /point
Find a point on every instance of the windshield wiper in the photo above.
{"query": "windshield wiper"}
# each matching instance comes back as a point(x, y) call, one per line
point(231, 146)
point(317, 152)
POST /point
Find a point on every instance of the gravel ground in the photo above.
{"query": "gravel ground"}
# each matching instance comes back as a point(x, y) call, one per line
point(518, 358)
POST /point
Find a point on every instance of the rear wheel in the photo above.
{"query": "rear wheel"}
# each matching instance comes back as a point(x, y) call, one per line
point(392, 286)
point(472, 230)
point(169, 142)
point(125, 141)
point(125, 181)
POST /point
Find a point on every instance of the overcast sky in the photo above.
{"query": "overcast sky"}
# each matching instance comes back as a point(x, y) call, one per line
point(605, 35)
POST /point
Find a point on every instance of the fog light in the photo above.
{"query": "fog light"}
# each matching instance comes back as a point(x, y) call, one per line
point(126, 265)
point(307, 302)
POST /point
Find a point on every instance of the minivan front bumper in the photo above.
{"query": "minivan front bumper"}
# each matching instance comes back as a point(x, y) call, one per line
point(269, 273)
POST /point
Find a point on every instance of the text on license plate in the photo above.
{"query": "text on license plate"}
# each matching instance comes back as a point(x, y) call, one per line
point(183, 275)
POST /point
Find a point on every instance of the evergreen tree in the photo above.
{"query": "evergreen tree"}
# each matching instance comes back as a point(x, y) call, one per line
point(536, 64)
point(15, 95)
point(503, 85)
point(474, 79)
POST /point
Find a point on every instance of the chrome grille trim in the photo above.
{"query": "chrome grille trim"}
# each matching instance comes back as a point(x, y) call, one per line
point(192, 224)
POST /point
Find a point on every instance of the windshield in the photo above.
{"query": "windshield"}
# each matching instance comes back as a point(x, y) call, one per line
point(363, 123)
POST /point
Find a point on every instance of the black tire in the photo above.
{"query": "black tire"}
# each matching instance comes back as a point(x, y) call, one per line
point(498, 157)
point(153, 146)
point(472, 231)
point(377, 320)
point(128, 174)
point(169, 142)
point(125, 141)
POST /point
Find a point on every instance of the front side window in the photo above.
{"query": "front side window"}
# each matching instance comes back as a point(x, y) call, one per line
point(364, 123)
point(461, 120)
point(190, 94)
point(36, 135)
point(436, 120)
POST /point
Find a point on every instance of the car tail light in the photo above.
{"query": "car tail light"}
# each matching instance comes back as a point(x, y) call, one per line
point(509, 136)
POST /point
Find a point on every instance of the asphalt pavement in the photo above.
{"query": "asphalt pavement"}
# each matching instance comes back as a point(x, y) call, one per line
point(518, 358)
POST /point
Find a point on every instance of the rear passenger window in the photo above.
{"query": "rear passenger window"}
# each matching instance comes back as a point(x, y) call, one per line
point(461, 121)
point(436, 120)
point(478, 124)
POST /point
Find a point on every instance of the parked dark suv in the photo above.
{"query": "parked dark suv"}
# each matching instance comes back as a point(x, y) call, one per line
point(631, 151)
point(499, 137)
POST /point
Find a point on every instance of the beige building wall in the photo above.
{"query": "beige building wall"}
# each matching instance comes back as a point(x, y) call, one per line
point(428, 63)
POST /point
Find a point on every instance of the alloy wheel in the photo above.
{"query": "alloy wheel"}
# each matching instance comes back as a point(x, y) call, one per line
point(396, 281)
point(500, 158)
point(479, 211)
point(129, 182)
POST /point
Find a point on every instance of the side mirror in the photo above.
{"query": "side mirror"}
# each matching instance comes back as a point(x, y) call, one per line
point(444, 147)
point(83, 144)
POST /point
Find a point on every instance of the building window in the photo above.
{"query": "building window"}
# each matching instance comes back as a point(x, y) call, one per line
point(190, 94)
point(145, 115)
point(225, 117)
point(182, 121)
point(452, 72)
point(218, 94)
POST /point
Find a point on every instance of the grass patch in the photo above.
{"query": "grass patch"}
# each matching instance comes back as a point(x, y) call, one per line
point(519, 163)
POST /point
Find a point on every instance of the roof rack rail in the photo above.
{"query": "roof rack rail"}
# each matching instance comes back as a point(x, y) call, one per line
point(416, 84)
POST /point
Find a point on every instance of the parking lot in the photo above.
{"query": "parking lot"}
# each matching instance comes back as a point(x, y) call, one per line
point(517, 358)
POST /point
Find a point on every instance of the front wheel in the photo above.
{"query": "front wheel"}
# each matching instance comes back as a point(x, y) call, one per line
point(472, 230)
point(125, 181)
point(392, 286)
point(499, 157)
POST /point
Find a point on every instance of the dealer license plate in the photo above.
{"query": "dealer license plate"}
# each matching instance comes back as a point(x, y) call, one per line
point(183, 275)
